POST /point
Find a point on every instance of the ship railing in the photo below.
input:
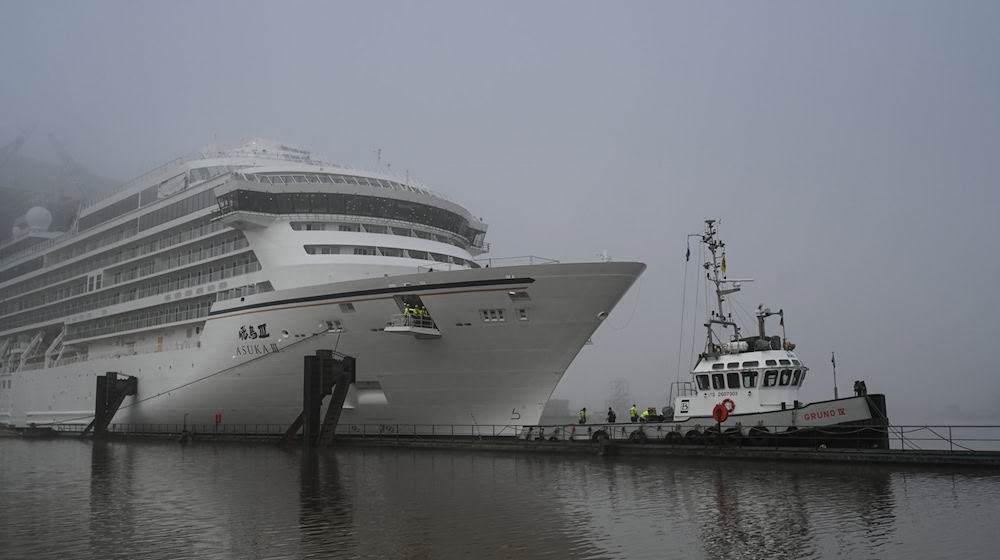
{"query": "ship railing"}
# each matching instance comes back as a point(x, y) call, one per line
point(146, 176)
point(681, 389)
point(441, 267)
point(429, 430)
point(135, 181)
point(415, 321)
point(514, 261)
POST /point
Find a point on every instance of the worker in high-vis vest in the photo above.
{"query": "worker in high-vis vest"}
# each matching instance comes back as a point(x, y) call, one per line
point(583, 415)
point(634, 413)
point(645, 416)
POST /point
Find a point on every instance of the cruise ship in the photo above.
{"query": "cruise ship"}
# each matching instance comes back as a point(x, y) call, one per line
point(211, 278)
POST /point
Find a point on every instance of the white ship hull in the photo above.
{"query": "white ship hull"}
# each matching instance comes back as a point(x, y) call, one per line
point(486, 372)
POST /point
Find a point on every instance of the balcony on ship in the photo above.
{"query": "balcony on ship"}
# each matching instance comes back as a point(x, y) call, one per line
point(415, 323)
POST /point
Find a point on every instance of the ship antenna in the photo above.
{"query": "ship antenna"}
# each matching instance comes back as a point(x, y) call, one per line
point(713, 266)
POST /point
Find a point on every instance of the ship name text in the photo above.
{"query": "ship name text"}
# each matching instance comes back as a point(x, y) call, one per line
point(824, 414)
point(252, 332)
point(256, 349)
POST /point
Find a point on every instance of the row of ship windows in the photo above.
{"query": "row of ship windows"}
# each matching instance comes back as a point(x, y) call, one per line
point(151, 194)
point(374, 228)
point(165, 284)
point(332, 178)
point(346, 204)
point(498, 315)
point(387, 252)
point(755, 363)
point(147, 318)
point(173, 211)
point(199, 228)
point(244, 291)
point(733, 379)
point(94, 281)
point(167, 239)
point(161, 315)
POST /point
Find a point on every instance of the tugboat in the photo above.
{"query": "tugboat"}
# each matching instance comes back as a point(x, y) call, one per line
point(745, 388)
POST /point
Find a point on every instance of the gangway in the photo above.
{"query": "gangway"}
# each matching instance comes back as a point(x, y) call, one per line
point(4, 347)
point(29, 352)
point(55, 349)
point(422, 326)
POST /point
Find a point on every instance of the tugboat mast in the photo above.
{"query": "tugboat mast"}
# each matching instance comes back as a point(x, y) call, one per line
point(715, 266)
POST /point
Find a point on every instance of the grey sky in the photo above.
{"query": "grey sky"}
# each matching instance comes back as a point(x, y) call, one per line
point(849, 148)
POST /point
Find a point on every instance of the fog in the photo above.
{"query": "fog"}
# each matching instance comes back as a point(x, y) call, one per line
point(850, 151)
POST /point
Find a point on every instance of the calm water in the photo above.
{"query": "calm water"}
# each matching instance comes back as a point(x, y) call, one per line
point(73, 499)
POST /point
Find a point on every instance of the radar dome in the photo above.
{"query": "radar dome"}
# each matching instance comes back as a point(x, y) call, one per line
point(38, 218)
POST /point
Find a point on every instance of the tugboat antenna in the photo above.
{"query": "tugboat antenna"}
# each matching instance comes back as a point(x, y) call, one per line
point(715, 265)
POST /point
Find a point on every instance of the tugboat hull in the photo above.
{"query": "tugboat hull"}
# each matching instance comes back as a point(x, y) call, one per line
point(855, 422)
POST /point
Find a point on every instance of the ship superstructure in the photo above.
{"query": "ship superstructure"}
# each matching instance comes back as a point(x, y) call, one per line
point(751, 373)
point(210, 277)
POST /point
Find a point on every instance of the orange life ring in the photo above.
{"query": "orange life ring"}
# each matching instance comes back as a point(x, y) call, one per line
point(729, 404)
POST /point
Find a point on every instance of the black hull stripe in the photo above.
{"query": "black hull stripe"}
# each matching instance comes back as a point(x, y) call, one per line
point(412, 288)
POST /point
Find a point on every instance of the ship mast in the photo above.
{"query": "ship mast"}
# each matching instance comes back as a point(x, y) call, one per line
point(723, 286)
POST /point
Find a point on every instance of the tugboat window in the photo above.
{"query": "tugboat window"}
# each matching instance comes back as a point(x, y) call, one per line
point(751, 364)
point(702, 382)
point(786, 377)
point(771, 363)
point(770, 378)
point(733, 365)
point(718, 366)
point(785, 362)
point(796, 377)
point(749, 379)
point(718, 381)
point(733, 379)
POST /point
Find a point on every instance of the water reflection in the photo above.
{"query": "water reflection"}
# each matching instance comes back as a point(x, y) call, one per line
point(325, 508)
point(111, 510)
point(428, 504)
point(718, 509)
point(777, 510)
point(75, 499)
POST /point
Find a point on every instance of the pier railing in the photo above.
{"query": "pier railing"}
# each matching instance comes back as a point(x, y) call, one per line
point(952, 438)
